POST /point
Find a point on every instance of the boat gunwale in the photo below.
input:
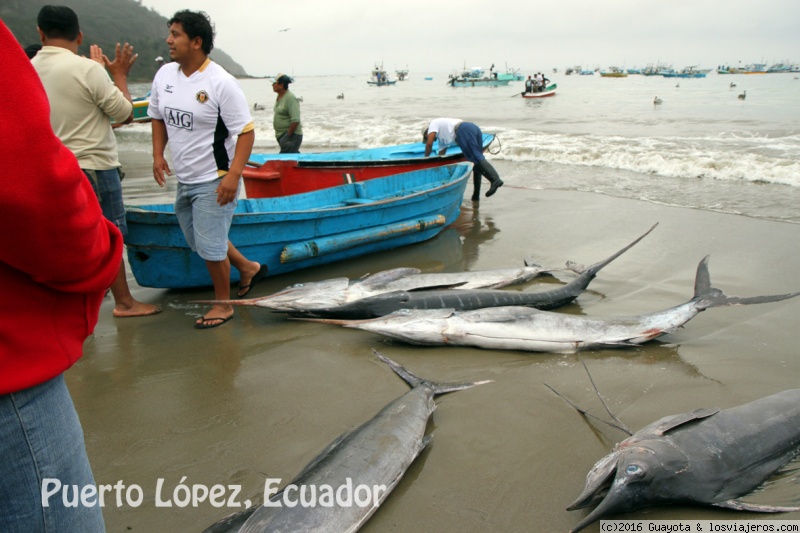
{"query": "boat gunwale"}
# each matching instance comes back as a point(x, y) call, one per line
point(142, 215)
point(315, 159)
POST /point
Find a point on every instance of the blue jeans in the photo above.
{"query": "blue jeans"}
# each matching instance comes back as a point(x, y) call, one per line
point(205, 223)
point(41, 438)
point(470, 139)
point(107, 185)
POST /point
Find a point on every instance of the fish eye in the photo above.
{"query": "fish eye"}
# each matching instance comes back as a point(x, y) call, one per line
point(633, 469)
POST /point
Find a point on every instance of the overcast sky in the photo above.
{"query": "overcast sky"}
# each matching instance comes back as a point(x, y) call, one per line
point(439, 36)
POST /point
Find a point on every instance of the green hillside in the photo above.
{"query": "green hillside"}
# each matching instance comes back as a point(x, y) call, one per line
point(106, 23)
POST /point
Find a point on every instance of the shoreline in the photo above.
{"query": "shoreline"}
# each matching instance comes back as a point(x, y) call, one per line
point(260, 396)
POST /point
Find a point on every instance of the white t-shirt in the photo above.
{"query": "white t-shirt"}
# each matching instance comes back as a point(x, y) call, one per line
point(204, 114)
point(445, 130)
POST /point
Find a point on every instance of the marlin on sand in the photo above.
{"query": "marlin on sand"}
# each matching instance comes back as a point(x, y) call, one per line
point(704, 457)
point(335, 292)
point(375, 454)
point(435, 297)
point(524, 328)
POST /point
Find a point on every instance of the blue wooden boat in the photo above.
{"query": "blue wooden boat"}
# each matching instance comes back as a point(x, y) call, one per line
point(271, 175)
point(475, 77)
point(688, 72)
point(303, 230)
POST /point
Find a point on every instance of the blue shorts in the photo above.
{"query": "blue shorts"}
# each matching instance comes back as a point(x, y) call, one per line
point(204, 222)
point(107, 185)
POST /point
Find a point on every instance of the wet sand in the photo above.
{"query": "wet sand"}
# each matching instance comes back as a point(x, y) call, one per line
point(261, 396)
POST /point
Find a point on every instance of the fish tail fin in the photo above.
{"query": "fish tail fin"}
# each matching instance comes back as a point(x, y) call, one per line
point(595, 268)
point(531, 262)
point(707, 296)
point(413, 380)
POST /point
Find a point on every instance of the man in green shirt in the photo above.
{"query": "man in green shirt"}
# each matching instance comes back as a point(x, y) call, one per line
point(286, 119)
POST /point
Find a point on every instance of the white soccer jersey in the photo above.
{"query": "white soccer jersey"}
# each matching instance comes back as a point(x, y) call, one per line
point(204, 114)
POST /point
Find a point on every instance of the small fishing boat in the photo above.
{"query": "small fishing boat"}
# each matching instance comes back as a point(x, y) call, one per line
point(401, 74)
point(656, 70)
point(755, 68)
point(303, 230)
point(686, 72)
point(271, 175)
point(783, 68)
point(511, 74)
point(726, 69)
point(614, 72)
point(475, 77)
point(550, 90)
point(379, 77)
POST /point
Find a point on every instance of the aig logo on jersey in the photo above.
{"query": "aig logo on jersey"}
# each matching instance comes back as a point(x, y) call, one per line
point(179, 119)
point(202, 97)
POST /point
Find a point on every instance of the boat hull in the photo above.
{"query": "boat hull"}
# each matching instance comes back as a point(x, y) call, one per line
point(273, 175)
point(544, 94)
point(550, 90)
point(684, 75)
point(482, 82)
point(305, 230)
point(140, 110)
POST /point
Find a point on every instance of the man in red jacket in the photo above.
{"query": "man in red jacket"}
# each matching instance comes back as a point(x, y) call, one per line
point(58, 255)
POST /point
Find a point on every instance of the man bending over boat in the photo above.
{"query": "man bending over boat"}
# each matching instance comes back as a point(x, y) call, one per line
point(202, 111)
point(469, 138)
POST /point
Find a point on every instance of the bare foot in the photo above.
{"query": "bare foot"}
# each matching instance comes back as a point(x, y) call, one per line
point(249, 277)
point(136, 308)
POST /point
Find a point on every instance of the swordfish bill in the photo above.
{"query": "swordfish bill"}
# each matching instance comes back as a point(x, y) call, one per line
point(465, 300)
point(527, 329)
point(374, 455)
point(704, 457)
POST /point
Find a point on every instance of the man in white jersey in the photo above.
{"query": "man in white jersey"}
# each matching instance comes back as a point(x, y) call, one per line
point(200, 109)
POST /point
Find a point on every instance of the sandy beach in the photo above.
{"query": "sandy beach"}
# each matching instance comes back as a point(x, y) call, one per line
point(163, 404)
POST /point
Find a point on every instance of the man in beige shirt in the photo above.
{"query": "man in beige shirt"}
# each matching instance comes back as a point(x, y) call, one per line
point(83, 100)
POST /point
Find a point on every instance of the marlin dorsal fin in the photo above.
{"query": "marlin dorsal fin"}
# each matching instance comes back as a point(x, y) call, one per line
point(386, 276)
point(683, 418)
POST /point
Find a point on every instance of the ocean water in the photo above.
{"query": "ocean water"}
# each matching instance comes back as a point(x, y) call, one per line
point(702, 147)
